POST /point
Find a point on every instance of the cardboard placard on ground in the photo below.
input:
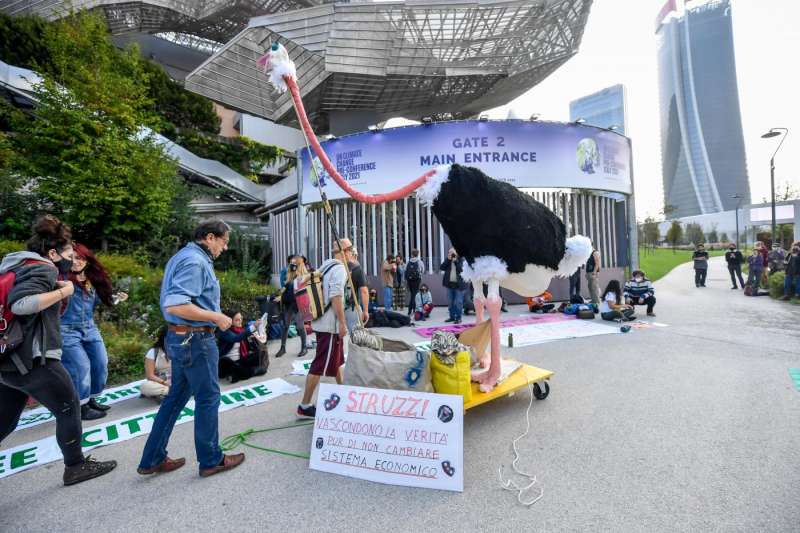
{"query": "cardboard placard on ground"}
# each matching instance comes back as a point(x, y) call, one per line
point(404, 438)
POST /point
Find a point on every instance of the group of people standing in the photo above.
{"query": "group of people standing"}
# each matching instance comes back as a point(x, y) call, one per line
point(763, 263)
point(397, 276)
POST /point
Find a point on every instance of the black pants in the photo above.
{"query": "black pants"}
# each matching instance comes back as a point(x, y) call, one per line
point(614, 314)
point(52, 387)
point(700, 277)
point(736, 271)
point(575, 284)
point(244, 368)
point(650, 302)
point(413, 289)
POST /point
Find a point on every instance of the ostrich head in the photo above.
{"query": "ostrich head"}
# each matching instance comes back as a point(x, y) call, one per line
point(277, 64)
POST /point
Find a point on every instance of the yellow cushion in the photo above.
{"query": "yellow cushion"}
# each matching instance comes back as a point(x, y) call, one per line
point(452, 379)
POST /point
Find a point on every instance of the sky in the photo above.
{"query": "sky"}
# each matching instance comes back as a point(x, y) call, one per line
point(619, 46)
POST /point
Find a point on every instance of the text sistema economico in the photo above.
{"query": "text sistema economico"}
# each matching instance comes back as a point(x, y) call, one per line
point(471, 158)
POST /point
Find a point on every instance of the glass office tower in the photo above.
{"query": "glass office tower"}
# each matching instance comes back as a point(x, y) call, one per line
point(702, 147)
point(603, 109)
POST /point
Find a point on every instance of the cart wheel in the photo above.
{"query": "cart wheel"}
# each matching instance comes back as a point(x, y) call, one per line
point(539, 393)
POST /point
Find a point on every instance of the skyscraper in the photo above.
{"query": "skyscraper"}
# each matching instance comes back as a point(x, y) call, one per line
point(604, 108)
point(702, 147)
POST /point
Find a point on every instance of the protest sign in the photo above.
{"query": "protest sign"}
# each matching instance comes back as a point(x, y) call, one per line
point(26, 456)
point(40, 415)
point(405, 438)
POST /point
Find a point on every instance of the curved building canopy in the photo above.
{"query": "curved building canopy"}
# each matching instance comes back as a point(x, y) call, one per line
point(408, 58)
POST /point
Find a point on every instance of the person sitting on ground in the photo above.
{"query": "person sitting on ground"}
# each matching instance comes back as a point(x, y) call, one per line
point(373, 301)
point(423, 303)
point(157, 369)
point(700, 258)
point(755, 263)
point(640, 291)
point(791, 280)
point(540, 304)
point(237, 360)
point(611, 306)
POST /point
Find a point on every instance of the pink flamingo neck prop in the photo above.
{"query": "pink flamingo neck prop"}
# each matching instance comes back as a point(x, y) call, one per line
point(331, 170)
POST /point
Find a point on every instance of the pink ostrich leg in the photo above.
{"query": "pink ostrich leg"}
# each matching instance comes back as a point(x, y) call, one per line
point(479, 300)
point(488, 379)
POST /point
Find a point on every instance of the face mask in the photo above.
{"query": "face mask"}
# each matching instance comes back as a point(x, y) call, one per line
point(639, 280)
point(64, 266)
point(292, 267)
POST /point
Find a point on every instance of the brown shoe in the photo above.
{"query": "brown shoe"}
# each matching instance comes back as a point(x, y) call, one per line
point(167, 466)
point(229, 462)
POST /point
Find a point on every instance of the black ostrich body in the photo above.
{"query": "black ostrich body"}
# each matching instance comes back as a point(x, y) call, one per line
point(486, 217)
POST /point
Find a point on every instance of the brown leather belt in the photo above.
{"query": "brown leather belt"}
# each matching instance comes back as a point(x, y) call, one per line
point(181, 329)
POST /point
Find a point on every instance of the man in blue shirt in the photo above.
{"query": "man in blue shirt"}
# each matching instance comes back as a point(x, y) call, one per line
point(190, 304)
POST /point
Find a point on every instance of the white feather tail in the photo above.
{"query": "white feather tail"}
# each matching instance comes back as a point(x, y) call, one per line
point(577, 252)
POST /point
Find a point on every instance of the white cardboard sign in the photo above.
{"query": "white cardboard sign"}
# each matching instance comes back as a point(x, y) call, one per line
point(407, 438)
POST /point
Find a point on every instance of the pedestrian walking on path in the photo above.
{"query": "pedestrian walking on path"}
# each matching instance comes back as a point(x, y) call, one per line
point(190, 303)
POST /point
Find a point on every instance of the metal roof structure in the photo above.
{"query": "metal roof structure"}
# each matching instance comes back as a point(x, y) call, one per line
point(202, 24)
point(409, 58)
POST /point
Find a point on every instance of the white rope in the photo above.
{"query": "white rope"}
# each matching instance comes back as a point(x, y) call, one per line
point(510, 484)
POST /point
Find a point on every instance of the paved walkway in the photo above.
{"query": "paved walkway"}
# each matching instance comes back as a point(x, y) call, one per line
point(693, 427)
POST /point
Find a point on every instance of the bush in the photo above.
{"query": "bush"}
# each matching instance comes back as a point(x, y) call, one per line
point(126, 347)
point(6, 247)
point(776, 284)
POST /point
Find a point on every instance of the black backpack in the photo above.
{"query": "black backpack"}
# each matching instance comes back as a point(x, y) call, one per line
point(412, 271)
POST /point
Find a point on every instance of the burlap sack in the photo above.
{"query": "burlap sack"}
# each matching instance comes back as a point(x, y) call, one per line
point(398, 366)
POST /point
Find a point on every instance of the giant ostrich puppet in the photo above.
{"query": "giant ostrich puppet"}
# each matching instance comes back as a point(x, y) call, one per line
point(507, 238)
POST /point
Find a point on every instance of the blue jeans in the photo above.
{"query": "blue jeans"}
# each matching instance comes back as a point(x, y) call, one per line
point(387, 297)
point(790, 282)
point(194, 373)
point(84, 356)
point(455, 301)
point(754, 278)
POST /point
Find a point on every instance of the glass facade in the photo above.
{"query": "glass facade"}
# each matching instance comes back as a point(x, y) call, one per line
point(702, 146)
point(603, 109)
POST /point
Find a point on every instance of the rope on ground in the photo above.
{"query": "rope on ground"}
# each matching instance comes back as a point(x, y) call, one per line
point(510, 484)
point(241, 439)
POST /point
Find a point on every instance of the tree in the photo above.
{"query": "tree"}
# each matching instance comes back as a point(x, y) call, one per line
point(17, 205)
point(649, 232)
point(694, 233)
point(712, 235)
point(675, 234)
point(84, 145)
point(724, 238)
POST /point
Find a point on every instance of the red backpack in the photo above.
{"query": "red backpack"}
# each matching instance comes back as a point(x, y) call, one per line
point(10, 330)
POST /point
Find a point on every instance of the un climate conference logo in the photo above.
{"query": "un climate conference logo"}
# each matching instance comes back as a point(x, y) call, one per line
point(321, 172)
point(588, 155)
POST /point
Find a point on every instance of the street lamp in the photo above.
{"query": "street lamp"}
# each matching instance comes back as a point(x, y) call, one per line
point(738, 198)
point(774, 132)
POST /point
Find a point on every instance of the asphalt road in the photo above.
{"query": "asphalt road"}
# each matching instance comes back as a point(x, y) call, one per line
point(691, 427)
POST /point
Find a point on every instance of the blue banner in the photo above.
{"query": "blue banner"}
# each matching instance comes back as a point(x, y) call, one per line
point(523, 153)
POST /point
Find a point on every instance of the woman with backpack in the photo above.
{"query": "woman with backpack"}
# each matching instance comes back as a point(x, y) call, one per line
point(414, 271)
point(291, 315)
point(31, 364)
point(84, 353)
